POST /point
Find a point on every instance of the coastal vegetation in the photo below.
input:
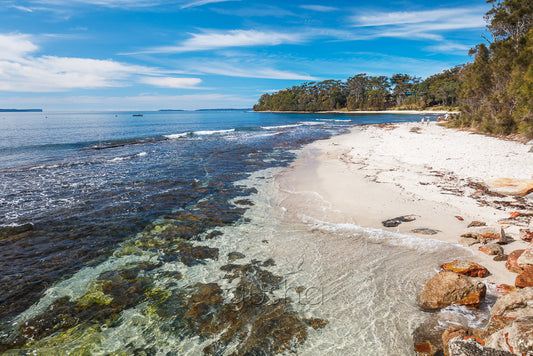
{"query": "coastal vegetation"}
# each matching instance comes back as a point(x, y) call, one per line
point(494, 92)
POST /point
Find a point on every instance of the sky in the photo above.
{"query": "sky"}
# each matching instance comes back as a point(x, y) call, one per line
point(62, 55)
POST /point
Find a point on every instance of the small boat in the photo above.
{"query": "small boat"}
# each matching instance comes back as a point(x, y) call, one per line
point(137, 115)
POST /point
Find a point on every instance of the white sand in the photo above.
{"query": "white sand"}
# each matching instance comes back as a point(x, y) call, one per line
point(376, 173)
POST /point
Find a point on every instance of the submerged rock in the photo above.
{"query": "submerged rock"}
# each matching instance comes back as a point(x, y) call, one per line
point(470, 269)
point(232, 256)
point(10, 231)
point(425, 231)
point(447, 288)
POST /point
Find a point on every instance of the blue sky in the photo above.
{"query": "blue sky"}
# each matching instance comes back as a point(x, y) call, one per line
point(190, 54)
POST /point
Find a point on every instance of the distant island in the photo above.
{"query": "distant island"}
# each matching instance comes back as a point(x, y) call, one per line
point(21, 110)
point(171, 110)
point(247, 109)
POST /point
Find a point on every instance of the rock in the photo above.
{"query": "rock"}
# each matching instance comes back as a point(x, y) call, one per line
point(471, 269)
point(468, 241)
point(463, 332)
point(504, 239)
point(232, 256)
point(470, 347)
point(397, 221)
point(517, 337)
point(526, 258)
point(526, 235)
point(500, 258)
point(525, 279)
point(447, 288)
point(491, 249)
point(504, 289)
point(427, 338)
point(512, 264)
point(514, 304)
point(460, 218)
point(477, 223)
point(510, 186)
point(425, 231)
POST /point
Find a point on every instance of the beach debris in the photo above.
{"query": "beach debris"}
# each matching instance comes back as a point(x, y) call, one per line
point(447, 288)
point(425, 231)
point(477, 223)
point(526, 235)
point(232, 256)
point(460, 218)
point(491, 249)
point(466, 268)
point(510, 186)
point(512, 264)
point(526, 258)
point(514, 214)
point(460, 346)
point(525, 279)
point(397, 221)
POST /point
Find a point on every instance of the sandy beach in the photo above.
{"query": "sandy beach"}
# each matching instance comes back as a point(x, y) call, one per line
point(379, 172)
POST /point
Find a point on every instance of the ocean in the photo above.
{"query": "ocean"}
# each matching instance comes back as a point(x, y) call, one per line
point(167, 234)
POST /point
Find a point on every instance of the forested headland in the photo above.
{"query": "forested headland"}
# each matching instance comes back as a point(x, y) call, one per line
point(494, 92)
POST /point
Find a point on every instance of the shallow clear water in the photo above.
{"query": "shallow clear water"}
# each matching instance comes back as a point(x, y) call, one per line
point(133, 219)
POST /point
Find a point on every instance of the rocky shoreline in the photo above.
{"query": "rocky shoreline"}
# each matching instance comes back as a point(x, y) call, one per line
point(454, 186)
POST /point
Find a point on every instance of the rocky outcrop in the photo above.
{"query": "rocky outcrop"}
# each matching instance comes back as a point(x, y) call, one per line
point(477, 223)
point(447, 288)
point(463, 332)
point(526, 258)
point(512, 306)
point(510, 186)
point(525, 279)
point(470, 347)
point(470, 269)
point(516, 338)
point(512, 264)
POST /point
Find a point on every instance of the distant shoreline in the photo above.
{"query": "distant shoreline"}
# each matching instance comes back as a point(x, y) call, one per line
point(21, 110)
point(407, 112)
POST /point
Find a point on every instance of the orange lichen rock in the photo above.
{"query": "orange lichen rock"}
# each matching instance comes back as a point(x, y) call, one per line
point(471, 269)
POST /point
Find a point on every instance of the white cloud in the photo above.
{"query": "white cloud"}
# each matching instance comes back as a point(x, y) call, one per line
point(319, 8)
point(418, 24)
point(15, 46)
point(247, 71)
point(21, 71)
point(234, 38)
point(203, 2)
point(172, 82)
